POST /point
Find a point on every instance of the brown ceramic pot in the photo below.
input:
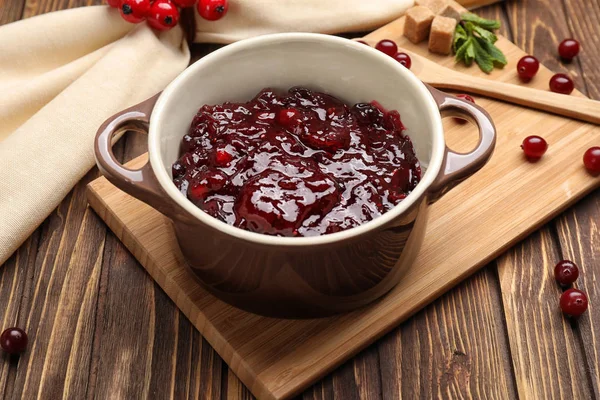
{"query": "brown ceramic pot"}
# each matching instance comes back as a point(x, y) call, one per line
point(307, 276)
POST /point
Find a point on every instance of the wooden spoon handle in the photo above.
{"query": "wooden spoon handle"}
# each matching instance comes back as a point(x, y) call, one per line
point(580, 108)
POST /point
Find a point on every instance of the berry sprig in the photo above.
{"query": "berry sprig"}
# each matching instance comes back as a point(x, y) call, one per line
point(162, 15)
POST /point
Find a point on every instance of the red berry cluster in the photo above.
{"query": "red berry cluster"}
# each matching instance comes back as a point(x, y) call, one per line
point(528, 66)
point(162, 15)
point(573, 302)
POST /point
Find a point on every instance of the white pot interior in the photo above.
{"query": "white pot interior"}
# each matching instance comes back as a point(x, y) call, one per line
point(348, 70)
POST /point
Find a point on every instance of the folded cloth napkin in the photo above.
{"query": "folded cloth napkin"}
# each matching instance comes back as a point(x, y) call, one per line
point(62, 74)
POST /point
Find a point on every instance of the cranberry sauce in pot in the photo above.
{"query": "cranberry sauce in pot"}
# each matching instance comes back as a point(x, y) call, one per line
point(300, 163)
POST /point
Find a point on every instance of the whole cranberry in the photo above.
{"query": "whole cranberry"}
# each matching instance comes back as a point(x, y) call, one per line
point(534, 147)
point(212, 10)
point(562, 83)
point(13, 340)
point(573, 302)
point(467, 98)
point(163, 15)
point(568, 49)
point(403, 59)
point(388, 47)
point(527, 67)
point(591, 160)
point(135, 11)
point(566, 272)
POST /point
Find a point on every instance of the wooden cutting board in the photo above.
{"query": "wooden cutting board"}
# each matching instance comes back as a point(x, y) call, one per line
point(468, 227)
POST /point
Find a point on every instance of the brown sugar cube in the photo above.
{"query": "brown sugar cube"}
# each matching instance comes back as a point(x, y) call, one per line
point(451, 10)
point(434, 5)
point(442, 33)
point(417, 23)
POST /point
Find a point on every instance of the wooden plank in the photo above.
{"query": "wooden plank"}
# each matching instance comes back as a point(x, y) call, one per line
point(61, 313)
point(37, 7)
point(547, 355)
point(578, 229)
point(15, 283)
point(455, 348)
point(11, 10)
point(579, 239)
point(548, 360)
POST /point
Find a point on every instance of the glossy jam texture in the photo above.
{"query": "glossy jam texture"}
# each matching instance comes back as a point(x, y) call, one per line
point(300, 163)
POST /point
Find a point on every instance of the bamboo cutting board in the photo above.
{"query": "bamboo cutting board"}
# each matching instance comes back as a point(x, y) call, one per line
point(468, 227)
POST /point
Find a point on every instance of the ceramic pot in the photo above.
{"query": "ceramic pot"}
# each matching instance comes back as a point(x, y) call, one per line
point(296, 277)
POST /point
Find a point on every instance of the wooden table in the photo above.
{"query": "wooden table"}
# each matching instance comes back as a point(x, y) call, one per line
point(100, 327)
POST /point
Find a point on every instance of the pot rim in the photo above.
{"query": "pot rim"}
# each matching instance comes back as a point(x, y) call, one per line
point(371, 55)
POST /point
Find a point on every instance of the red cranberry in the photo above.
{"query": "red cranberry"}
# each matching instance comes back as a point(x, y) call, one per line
point(534, 147)
point(561, 83)
point(212, 10)
point(135, 11)
point(223, 157)
point(185, 3)
point(114, 3)
point(288, 117)
point(568, 49)
point(205, 184)
point(13, 340)
point(467, 98)
point(591, 160)
point(566, 272)
point(388, 47)
point(163, 15)
point(573, 302)
point(403, 59)
point(527, 67)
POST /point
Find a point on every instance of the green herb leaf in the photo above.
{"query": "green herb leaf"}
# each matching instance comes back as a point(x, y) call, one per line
point(485, 34)
point(495, 53)
point(461, 53)
point(482, 57)
point(488, 24)
point(474, 41)
point(470, 51)
point(460, 37)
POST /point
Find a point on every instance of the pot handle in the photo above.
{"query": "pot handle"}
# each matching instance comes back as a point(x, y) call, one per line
point(457, 167)
point(140, 183)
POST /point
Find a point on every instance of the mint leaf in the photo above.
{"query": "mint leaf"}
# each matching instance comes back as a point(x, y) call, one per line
point(470, 51)
point(482, 57)
point(461, 53)
point(488, 24)
point(474, 41)
point(494, 52)
point(460, 37)
point(485, 34)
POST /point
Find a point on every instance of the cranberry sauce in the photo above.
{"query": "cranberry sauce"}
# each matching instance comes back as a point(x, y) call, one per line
point(300, 163)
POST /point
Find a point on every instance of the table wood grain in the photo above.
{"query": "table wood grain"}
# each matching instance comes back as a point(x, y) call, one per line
point(100, 327)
